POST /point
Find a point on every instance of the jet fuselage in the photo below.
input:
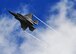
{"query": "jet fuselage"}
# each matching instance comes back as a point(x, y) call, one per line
point(26, 20)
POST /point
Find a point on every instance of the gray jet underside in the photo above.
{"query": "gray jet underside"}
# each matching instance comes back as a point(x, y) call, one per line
point(26, 20)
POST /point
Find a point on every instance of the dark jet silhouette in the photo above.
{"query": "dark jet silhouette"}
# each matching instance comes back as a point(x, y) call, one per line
point(26, 20)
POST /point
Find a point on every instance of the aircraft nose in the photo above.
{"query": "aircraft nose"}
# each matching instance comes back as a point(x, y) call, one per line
point(12, 13)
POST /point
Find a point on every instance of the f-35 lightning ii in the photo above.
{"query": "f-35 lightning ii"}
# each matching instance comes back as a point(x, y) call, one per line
point(26, 20)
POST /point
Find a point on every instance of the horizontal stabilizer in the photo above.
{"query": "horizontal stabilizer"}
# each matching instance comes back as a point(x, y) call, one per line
point(35, 22)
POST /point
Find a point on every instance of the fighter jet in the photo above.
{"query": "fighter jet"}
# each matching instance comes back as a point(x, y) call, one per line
point(25, 20)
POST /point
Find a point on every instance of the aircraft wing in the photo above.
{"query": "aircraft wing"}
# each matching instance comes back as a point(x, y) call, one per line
point(28, 16)
point(23, 25)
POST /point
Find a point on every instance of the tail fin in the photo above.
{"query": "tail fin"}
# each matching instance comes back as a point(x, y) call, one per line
point(31, 28)
point(35, 22)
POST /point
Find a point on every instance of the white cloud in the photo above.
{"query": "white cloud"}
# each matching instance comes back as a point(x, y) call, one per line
point(61, 41)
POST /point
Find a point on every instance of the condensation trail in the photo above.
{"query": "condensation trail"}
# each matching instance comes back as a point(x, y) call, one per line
point(44, 23)
point(49, 26)
point(33, 36)
point(36, 38)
